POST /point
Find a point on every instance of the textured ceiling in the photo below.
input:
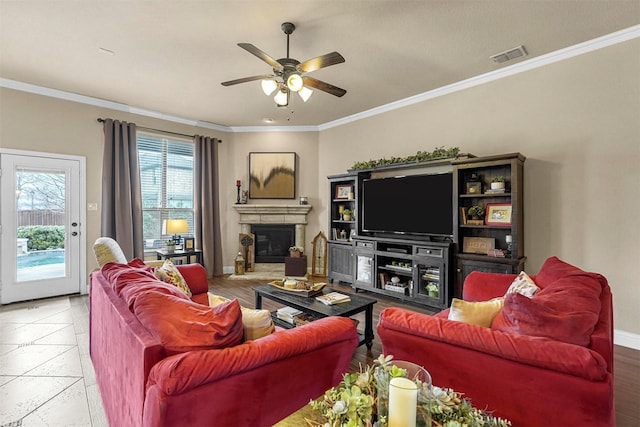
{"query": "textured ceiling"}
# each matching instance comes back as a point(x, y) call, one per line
point(171, 56)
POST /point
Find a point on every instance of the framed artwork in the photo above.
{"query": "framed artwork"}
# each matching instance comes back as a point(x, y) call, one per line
point(343, 191)
point(478, 245)
point(498, 214)
point(474, 187)
point(189, 243)
point(272, 175)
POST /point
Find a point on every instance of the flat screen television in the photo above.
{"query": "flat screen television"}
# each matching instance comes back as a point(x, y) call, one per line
point(419, 205)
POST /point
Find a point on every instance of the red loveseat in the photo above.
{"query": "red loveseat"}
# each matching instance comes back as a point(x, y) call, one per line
point(145, 381)
point(545, 360)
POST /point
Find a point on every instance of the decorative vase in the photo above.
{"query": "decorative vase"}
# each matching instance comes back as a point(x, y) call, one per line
point(171, 248)
point(400, 400)
point(295, 254)
point(347, 217)
point(497, 185)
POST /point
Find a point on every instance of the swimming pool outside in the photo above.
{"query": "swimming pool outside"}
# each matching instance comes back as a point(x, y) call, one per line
point(41, 265)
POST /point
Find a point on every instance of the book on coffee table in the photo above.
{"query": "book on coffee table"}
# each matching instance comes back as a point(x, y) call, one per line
point(333, 298)
point(288, 314)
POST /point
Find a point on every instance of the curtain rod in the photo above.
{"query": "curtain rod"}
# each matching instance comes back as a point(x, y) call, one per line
point(101, 120)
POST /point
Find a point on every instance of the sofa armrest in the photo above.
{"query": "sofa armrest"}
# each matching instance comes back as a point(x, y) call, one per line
point(401, 326)
point(480, 286)
point(184, 371)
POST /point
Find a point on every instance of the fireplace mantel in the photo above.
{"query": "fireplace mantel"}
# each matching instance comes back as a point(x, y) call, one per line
point(274, 214)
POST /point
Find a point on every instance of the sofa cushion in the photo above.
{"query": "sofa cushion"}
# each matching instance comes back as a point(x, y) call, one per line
point(183, 325)
point(255, 323)
point(121, 275)
point(475, 313)
point(524, 285)
point(147, 284)
point(168, 273)
point(566, 310)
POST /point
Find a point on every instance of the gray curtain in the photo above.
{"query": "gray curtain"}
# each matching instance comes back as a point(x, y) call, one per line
point(121, 197)
point(206, 203)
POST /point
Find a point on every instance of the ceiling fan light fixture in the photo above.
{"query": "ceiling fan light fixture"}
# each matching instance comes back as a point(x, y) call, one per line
point(305, 93)
point(294, 82)
point(282, 98)
point(268, 86)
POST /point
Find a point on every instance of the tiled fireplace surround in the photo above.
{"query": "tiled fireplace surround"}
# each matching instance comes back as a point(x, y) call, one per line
point(275, 214)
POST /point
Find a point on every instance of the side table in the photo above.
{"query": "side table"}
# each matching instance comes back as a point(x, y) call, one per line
point(197, 253)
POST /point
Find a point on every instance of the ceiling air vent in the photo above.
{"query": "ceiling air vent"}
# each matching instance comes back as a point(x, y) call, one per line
point(508, 55)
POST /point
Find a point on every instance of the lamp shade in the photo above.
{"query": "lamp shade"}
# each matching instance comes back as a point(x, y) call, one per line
point(175, 226)
point(268, 86)
point(305, 93)
point(281, 98)
point(294, 82)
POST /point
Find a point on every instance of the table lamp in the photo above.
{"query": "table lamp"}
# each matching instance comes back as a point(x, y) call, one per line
point(175, 227)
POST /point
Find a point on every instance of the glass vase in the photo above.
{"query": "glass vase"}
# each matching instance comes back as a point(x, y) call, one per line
point(408, 398)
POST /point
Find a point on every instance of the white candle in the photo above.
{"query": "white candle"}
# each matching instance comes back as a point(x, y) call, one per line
point(508, 238)
point(403, 399)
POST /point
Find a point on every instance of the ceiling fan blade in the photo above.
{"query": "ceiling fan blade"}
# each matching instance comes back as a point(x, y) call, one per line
point(260, 54)
point(322, 61)
point(247, 79)
point(323, 86)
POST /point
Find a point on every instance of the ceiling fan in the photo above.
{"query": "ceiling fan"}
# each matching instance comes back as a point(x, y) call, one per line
point(289, 75)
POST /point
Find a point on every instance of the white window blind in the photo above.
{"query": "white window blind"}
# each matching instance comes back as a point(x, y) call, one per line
point(166, 179)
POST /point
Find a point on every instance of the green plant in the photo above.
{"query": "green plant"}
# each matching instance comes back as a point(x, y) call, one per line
point(170, 242)
point(475, 211)
point(346, 212)
point(42, 237)
point(420, 156)
point(432, 287)
point(499, 178)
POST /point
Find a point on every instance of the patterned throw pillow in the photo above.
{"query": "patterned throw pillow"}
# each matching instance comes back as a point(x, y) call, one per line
point(168, 273)
point(255, 323)
point(523, 285)
point(475, 313)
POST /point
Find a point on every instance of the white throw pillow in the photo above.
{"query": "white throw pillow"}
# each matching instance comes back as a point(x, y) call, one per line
point(524, 285)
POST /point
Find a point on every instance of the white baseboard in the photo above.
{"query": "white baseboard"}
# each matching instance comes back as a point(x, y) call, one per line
point(626, 339)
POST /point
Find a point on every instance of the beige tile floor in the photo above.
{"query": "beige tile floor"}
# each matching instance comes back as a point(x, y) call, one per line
point(46, 375)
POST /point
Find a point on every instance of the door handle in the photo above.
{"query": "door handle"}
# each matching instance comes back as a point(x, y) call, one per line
point(74, 224)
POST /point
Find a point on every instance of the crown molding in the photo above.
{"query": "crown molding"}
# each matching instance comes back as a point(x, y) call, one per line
point(521, 67)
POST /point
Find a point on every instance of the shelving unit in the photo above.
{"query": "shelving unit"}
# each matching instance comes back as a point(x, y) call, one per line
point(414, 263)
point(472, 180)
point(344, 190)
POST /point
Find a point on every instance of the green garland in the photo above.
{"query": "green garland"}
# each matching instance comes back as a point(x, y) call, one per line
point(353, 402)
point(420, 156)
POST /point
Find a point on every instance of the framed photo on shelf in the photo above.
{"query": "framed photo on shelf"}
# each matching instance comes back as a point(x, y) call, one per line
point(498, 214)
point(478, 245)
point(189, 243)
point(343, 191)
point(474, 187)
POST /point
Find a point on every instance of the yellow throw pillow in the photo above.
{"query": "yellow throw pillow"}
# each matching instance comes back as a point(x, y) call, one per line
point(476, 313)
point(168, 273)
point(255, 323)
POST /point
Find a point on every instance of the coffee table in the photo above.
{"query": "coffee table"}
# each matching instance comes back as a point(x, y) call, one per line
point(309, 305)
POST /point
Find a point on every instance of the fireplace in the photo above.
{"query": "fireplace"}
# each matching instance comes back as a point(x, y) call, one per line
point(272, 241)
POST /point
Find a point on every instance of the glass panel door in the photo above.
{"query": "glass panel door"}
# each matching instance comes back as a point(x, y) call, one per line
point(40, 227)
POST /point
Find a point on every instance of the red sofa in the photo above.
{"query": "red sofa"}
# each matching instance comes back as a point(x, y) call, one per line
point(144, 382)
point(545, 360)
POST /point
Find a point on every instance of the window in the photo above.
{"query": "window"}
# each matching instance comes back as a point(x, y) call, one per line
point(166, 177)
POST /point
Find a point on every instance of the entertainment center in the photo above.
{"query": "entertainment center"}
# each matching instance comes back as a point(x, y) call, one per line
point(407, 234)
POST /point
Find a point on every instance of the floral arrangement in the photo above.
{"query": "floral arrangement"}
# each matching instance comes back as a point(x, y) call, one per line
point(296, 249)
point(432, 287)
point(353, 402)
